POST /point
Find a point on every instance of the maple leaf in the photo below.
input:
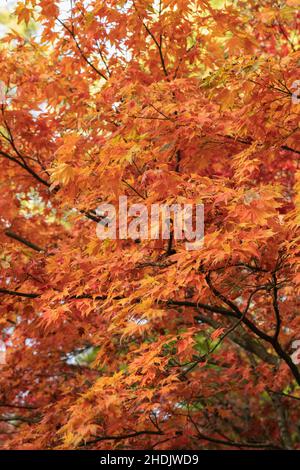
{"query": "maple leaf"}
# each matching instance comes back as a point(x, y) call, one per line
point(62, 173)
point(217, 333)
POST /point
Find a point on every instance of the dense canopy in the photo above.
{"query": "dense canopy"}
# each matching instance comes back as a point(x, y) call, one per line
point(141, 344)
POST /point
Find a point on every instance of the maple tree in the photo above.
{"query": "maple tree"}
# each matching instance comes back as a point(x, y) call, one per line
point(141, 344)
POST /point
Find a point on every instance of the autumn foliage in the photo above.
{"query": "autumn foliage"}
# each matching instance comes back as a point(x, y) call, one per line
point(141, 344)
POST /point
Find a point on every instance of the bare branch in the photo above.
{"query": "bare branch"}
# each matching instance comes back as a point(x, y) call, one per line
point(20, 239)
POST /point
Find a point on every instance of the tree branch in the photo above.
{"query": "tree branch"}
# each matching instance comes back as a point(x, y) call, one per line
point(19, 294)
point(230, 443)
point(20, 239)
point(80, 50)
point(25, 166)
point(120, 437)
